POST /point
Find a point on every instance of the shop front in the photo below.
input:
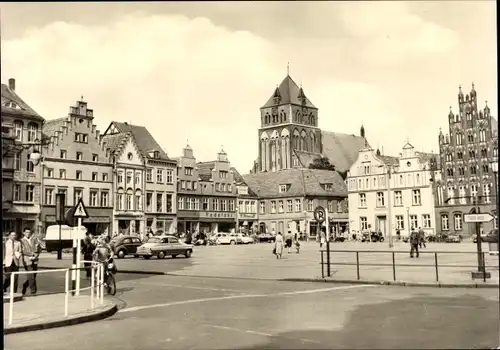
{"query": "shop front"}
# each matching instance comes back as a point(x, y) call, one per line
point(188, 220)
point(248, 223)
point(129, 224)
point(217, 221)
point(18, 217)
point(161, 223)
point(100, 221)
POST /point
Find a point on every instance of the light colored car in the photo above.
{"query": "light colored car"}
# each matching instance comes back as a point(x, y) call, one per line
point(242, 238)
point(161, 246)
point(225, 238)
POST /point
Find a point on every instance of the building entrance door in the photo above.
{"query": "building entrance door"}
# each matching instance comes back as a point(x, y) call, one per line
point(382, 224)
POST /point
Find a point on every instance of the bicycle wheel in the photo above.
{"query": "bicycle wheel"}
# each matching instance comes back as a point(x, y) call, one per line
point(111, 284)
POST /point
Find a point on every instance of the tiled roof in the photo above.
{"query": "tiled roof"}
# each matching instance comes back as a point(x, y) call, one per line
point(113, 141)
point(306, 158)
point(341, 149)
point(303, 182)
point(240, 180)
point(426, 157)
point(51, 126)
point(22, 109)
point(145, 141)
point(289, 92)
point(389, 159)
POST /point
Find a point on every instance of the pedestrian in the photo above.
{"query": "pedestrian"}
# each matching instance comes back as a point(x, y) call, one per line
point(398, 234)
point(414, 243)
point(278, 245)
point(322, 239)
point(297, 243)
point(12, 260)
point(421, 237)
point(88, 248)
point(288, 241)
point(31, 249)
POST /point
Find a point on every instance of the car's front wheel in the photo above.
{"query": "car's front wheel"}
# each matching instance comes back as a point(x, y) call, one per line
point(188, 254)
point(121, 254)
point(232, 242)
point(161, 255)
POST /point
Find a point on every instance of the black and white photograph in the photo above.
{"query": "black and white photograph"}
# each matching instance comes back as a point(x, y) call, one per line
point(250, 175)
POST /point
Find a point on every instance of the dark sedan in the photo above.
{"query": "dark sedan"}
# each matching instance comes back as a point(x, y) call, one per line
point(125, 245)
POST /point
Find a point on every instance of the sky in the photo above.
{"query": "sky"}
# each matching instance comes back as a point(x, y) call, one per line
point(198, 73)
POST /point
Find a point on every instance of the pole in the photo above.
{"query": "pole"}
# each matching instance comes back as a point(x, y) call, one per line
point(389, 207)
point(480, 262)
point(78, 257)
point(73, 269)
point(327, 231)
point(59, 248)
point(408, 215)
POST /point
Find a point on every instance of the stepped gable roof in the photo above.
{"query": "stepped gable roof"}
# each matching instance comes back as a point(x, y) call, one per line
point(303, 182)
point(21, 108)
point(342, 149)
point(51, 126)
point(144, 140)
point(241, 181)
point(289, 92)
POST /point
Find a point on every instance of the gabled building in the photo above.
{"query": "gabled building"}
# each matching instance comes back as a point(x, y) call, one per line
point(75, 163)
point(411, 203)
point(246, 211)
point(466, 152)
point(22, 178)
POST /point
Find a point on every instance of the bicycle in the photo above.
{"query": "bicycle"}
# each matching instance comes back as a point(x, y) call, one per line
point(109, 280)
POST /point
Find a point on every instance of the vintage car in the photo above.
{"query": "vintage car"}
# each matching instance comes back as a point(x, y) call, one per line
point(125, 245)
point(242, 238)
point(161, 246)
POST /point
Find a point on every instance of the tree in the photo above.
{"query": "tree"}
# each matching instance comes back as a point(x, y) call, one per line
point(322, 163)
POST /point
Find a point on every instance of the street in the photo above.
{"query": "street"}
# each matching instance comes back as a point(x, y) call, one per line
point(170, 312)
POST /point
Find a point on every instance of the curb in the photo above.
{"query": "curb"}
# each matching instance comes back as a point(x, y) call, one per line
point(17, 297)
point(396, 283)
point(107, 312)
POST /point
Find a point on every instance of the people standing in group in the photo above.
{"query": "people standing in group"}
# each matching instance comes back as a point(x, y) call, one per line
point(31, 249)
point(288, 240)
point(414, 241)
point(421, 238)
point(278, 245)
point(88, 248)
point(12, 260)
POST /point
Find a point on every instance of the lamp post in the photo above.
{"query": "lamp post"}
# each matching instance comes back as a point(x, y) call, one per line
point(306, 235)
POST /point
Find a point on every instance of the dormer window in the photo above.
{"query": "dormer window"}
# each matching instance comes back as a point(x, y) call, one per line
point(156, 154)
point(223, 174)
point(188, 171)
point(328, 187)
point(283, 188)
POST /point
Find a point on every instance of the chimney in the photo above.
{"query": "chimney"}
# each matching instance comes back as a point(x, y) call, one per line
point(12, 84)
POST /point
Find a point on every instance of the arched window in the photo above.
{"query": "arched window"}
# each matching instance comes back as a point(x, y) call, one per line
point(459, 139)
point(129, 200)
point(18, 129)
point(482, 135)
point(32, 132)
point(138, 200)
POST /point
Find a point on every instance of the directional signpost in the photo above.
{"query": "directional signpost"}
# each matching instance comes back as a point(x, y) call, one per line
point(478, 218)
point(321, 215)
point(80, 212)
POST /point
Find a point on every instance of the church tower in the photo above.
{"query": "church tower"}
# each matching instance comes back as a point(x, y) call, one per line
point(289, 124)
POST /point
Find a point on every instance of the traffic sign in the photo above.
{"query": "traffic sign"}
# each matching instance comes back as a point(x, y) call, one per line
point(485, 217)
point(319, 214)
point(80, 210)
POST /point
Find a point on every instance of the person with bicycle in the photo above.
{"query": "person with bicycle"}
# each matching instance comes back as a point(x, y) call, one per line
point(103, 254)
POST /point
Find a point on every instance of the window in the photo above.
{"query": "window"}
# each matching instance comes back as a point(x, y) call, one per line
point(32, 131)
point(78, 193)
point(78, 174)
point(79, 156)
point(93, 198)
point(460, 155)
point(17, 192)
point(183, 185)
point(188, 185)
point(459, 139)
point(18, 128)
point(329, 187)
point(129, 178)
point(104, 199)
point(417, 200)
point(470, 138)
point(473, 192)
point(398, 199)
point(149, 175)
point(366, 168)
point(138, 200)
point(104, 177)
point(418, 179)
point(482, 135)
point(63, 154)
point(458, 221)
point(95, 157)
point(362, 200)
point(280, 207)
point(159, 175)
point(445, 222)
point(195, 185)
point(380, 199)
point(289, 206)
point(223, 174)
point(340, 208)
point(49, 196)
point(472, 154)
point(485, 168)
point(426, 221)
point(119, 201)
point(169, 203)
point(400, 222)
point(363, 223)
point(159, 202)
point(298, 205)
point(253, 207)
point(247, 207)
point(137, 179)
point(330, 206)
point(413, 221)
point(231, 205)
point(149, 202)
point(273, 207)
point(204, 204)
point(65, 192)
point(222, 187)
point(484, 153)
point(94, 177)
point(130, 203)
point(215, 204)
point(262, 207)
point(282, 188)
point(29, 165)
point(180, 203)
point(229, 188)
point(223, 205)
point(85, 138)
point(450, 194)
point(473, 170)
point(310, 205)
point(188, 171)
point(487, 193)
point(170, 176)
point(50, 173)
point(17, 161)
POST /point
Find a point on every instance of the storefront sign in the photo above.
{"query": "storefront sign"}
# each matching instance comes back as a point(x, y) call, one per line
point(248, 216)
point(91, 219)
point(216, 214)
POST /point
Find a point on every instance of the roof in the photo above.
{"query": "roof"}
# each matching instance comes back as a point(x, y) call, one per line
point(114, 141)
point(145, 141)
point(342, 149)
point(289, 92)
point(205, 177)
point(389, 160)
point(51, 126)
point(21, 108)
point(303, 182)
point(241, 181)
point(424, 157)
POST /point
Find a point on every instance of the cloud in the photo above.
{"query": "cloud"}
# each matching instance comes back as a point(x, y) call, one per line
point(392, 33)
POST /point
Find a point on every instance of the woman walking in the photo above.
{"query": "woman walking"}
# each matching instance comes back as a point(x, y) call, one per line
point(278, 245)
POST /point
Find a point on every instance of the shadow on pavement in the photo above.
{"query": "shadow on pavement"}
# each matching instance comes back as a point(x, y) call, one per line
point(468, 322)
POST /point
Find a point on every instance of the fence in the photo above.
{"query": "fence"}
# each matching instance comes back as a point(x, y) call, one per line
point(100, 286)
point(392, 253)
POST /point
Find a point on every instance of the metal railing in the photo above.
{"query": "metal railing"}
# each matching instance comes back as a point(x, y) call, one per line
point(95, 266)
point(435, 264)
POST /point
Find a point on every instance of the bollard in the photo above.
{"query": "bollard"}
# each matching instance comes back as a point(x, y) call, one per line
point(73, 269)
point(322, 265)
point(393, 266)
point(11, 299)
point(357, 265)
point(436, 265)
point(66, 295)
point(92, 286)
point(101, 283)
point(484, 267)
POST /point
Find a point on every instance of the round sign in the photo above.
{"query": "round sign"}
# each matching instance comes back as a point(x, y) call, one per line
point(319, 214)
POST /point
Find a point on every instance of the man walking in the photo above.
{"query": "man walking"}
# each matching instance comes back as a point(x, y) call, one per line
point(31, 249)
point(414, 240)
point(421, 237)
point(12, 260)
point(88, 248)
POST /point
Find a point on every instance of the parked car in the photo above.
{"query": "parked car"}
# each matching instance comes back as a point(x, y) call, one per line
point(453, 239)
point(266, 237)
point(164, 245)
point(490, 237)
point(242, 238)
point(125, 245)
point(372, 237)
